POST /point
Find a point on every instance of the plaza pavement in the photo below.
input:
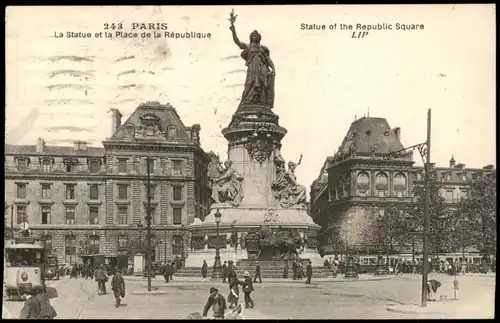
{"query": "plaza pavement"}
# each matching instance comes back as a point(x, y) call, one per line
point(397, 297)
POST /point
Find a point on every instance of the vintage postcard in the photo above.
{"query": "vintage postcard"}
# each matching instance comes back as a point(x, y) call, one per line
point(250, 162)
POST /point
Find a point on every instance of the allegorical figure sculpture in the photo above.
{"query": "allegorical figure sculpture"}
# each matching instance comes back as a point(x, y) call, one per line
point(285, 187)
point(259, 83)
point(228, 187)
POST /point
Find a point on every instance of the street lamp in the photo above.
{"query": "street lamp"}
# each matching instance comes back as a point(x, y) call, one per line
point(139, 228)
point(217, 270)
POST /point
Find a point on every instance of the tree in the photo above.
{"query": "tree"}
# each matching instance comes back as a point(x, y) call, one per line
point(390, 228)
point(477, 212)
point(439, 216)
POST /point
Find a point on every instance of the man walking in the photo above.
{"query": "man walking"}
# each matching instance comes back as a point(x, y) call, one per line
point(101, 278)
point(118, 287)
point(166, 269)
point(37, 306)
point(171, 267)
point(247, 290)
point(217, 302)
point(309, 273)
point(257, 273)
point(224, 272)
point(204, 269)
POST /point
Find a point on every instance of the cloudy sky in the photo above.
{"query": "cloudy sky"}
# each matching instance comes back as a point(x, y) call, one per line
point(324, 79)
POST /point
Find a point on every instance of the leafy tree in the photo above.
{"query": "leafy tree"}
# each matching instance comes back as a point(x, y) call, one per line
point(439, 216)
point(390, 229)
point(478, 216)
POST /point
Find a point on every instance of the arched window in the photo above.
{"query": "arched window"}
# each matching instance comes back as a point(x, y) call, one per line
point(177, 245)
point(381, 184)
point(70, 249)
point(171, 132)
point(362, 183)
point(400, 185)
point(94, 244)
point(46, 163)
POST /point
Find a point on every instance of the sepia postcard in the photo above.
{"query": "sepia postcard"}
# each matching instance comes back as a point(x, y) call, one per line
point(250, 162)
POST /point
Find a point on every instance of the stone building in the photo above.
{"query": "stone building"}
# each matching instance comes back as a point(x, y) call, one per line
point(89, 200)
point(359, 182)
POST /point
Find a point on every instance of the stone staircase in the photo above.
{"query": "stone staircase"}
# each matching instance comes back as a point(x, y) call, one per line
point(268, 269)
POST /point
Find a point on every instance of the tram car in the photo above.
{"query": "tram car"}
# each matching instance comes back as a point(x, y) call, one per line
point(24, 265)
point(51, 267)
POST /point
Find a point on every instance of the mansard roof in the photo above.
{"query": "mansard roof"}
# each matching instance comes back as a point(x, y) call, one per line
point(162, 117)
point(30, 150)
point(370, 136)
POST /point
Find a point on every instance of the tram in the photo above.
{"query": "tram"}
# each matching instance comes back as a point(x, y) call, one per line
point(24, 264)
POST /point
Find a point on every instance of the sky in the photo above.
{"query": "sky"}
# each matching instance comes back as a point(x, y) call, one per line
point(324, 78)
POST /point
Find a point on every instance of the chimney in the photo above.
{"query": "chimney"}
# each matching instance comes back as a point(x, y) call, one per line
point(80, 145)
point(460, 166)
point(40, 145)
point(397, 132)
point(489, 167)
point(195, 133)
point(452, 162)
point(116, 120)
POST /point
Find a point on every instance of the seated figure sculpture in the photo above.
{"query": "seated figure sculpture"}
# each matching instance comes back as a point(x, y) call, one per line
point(228, 188)
point(286, 189)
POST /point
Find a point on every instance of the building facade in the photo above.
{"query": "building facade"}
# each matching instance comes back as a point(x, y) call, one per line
point(88, 200)
point(359, 182)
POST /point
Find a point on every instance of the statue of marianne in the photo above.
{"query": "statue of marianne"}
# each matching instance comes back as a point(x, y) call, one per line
point(259, 83)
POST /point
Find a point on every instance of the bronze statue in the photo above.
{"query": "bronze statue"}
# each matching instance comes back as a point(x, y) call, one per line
point(259, 83)
point(228, 187)
point(285, 187)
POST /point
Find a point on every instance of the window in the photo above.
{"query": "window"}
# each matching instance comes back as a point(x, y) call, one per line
point(21, 214)
point(70, 249)
point(94, 215)
point(94, 192)
point(171, 132)
point(153, 214)
point(94, 166)
point(177, 167)
point(463, 177)
point(22, 164)
point(122, 191)
point(70, 191)
point(399, 193)
point(122, 165)
point(70, 215)
point(177, 193)
point(419, 176)
point(177, 216)
point(363, 182)
point(21, 191)
point(122, 215)
point(381, 193)
point(46, 214)
point(122, 242)
point(177, 245)
point(449, 196)
point(94, 242)
point(71, 165)
point(152, 191)
point(448, 177)
point(46, 165)
point(151, 165)
point(45, 191)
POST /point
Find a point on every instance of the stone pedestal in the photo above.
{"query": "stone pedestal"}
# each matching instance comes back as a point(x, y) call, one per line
point(254, 141)
point(138, 264)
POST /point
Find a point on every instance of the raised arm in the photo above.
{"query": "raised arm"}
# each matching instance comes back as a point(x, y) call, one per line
point(300, 159)
point(236, 40)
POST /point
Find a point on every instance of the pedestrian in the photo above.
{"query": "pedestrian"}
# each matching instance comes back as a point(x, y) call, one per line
point(171, 271)
point(247, 290)
point(101, 278)
point(432, 287)
point(224, 272)
point(257, 273)
point(74, 272)
point(217, 302)
point(294, 270)
point(285, 271)
point(118, 287)
point(326, 263)
point(166, 274)
point(234, 292)
point(37, 306)
point(309, 272)
point(204, 269)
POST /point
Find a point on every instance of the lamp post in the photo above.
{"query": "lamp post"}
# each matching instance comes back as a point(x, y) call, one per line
point(139, 228)
point(148, 221)
point(217, 270)
point(425, 152)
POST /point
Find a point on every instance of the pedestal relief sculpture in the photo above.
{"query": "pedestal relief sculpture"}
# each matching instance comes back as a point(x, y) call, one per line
point(227, 188)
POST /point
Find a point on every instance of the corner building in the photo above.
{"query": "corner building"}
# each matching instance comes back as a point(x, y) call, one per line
point(88, 200)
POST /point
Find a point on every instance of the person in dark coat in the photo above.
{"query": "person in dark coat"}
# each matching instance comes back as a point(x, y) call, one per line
point(234, 292)
point(37, 306)
point(294, 270)
point(247, 290)
point(118, 287)
point(204, 269)
point(166, 269)
point(101, 277)
point(257, 273)
point(432, 287)
point(309, 273)
point(285, 271)
point(217, 302)
point(171, 271)
point(224, 272)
